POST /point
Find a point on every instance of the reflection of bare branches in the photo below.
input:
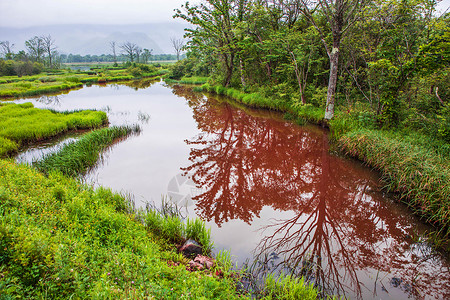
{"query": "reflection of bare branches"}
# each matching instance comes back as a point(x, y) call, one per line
point(51, 100)
point(342, 236)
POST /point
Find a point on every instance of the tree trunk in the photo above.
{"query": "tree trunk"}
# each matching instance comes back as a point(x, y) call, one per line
point(229, 65)
point(299, 79)
point(241, 67)
point(334, 61)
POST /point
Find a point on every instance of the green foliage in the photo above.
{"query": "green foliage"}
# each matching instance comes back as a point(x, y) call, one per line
point(13, 86)
point(23, 123)
point(172, 228)
point(60, 239)
point(78, 157)
point(411, 167)
point(288, 288)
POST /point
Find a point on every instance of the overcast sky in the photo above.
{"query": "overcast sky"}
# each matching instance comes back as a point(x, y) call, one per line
point(25, 13)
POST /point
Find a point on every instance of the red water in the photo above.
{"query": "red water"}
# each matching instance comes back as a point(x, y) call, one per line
point(343, 233)
point(271, 191)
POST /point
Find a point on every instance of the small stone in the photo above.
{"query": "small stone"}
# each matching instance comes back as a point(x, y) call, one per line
point(195, 265)
point(205, 261)
point(191, 248)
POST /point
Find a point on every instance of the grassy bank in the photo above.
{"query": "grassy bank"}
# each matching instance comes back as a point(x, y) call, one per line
point(44, 83)
point(194, 80)
point(78, 157)
point(21, 124)
point(418, 173)
point(60, 239)
point(415, 166)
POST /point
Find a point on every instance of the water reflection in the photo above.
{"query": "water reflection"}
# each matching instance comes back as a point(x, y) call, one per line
point(51, 100)
point(345, 235)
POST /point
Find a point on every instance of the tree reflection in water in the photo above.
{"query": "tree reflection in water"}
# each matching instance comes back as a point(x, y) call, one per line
point(346, 236)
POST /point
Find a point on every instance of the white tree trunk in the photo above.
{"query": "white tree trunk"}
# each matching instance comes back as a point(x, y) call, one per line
point(334, 61)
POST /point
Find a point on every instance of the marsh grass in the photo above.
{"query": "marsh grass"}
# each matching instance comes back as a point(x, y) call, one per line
point(21, 124)
point(288, 287)
point(80, 156)
point(194, 80)
point(60, 240)
point(168, 223)
point(44, 83)
point(418, 173)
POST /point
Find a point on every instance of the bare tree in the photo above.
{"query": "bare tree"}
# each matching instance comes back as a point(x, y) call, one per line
point(138, 52)
point(35, 48)
point(112, 44)
point(6, 48)
point(340, 15)
point(129, 49)
point(49, 47)
point(177, 45)
point(146, 55)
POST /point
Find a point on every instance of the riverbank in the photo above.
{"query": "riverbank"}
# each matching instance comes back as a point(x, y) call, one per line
point(60, 238)
point(50, 82)
point(22, 124)
point(413, 165)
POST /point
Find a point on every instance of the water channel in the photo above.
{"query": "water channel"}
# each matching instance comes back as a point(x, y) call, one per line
point(270, 191)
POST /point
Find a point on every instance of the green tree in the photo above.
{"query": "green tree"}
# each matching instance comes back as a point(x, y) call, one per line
point(35, 48)
point(214, 31)
point(340, 16)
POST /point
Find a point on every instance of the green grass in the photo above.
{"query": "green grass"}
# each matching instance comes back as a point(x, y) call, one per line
point(33, 88)
point(60, 239)
point(420, 174)
point(194, 80)
point(21, 124)
point(44, 83)
point(287, 288)
point(78, 157)
point(255, 100)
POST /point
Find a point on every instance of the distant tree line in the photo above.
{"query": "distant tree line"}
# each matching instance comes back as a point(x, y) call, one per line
point(40, 53)
point(77, 58)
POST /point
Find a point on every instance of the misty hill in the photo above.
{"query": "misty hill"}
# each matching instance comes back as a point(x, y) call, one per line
point(94, 39)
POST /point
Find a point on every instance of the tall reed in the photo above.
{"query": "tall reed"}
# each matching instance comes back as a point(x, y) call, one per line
point(420, 175)
point(78, 157)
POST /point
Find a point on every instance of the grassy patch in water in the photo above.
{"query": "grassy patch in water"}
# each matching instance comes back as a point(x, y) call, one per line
point(32, 88)
point(420, 174)
point(60, 239)
point(25, 86)
point(23, 123)
point(79, 156)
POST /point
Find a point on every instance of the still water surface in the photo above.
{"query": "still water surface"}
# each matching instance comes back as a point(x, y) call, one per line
point(269, 190)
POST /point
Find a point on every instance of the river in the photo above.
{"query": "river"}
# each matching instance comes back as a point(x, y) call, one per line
point(271, 191)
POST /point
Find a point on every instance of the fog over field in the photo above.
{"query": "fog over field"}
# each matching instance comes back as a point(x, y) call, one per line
point(94, 39)
point(86, 27)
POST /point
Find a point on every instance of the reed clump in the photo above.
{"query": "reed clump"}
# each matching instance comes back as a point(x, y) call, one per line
point(420, 174)
point(21, 124)
point(194, 80)
point(78, 157)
